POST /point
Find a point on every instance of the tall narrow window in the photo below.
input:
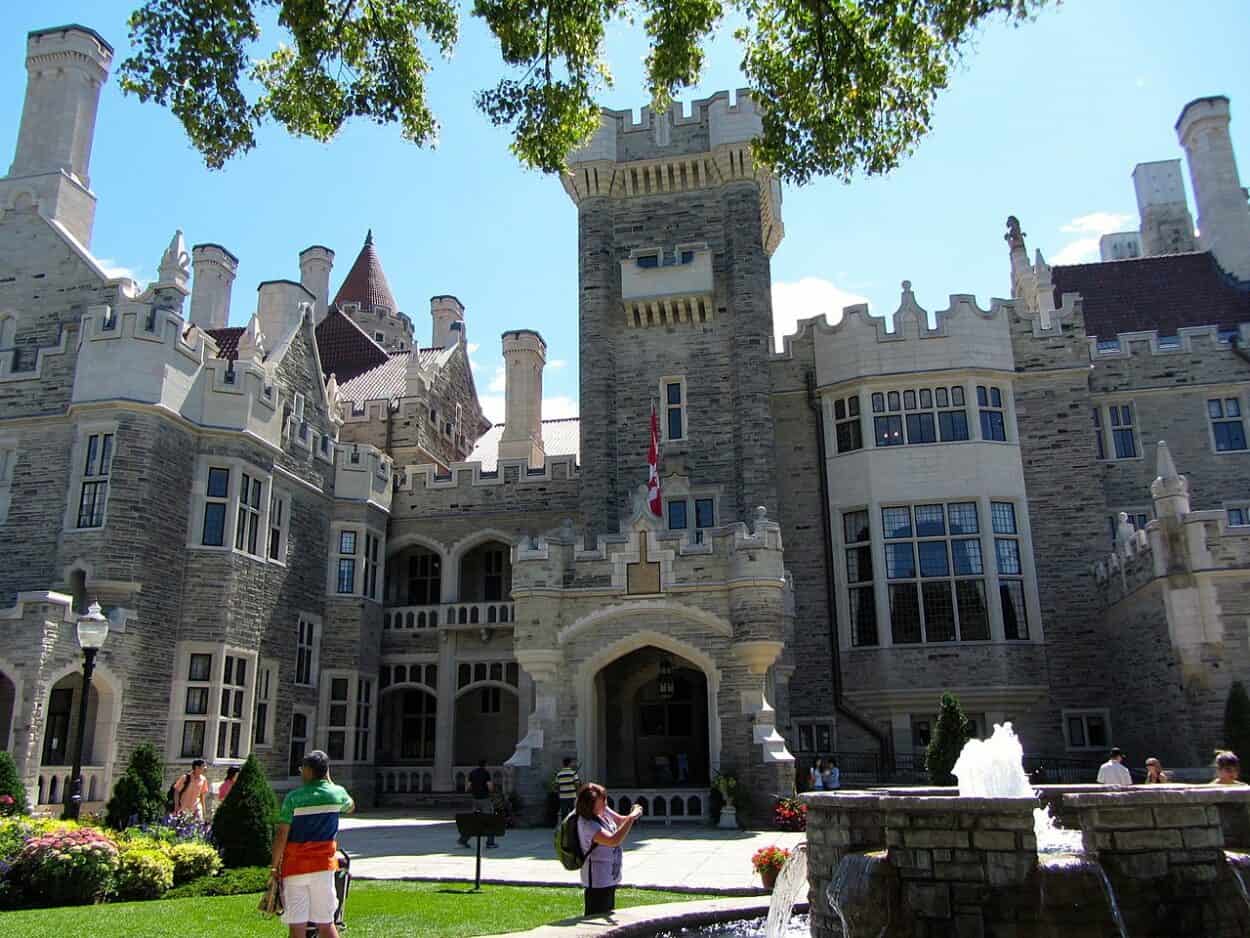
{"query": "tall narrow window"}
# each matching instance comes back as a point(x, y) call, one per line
point(336, 738)
point(230, 720)
point(277, 528)
point(849, 432)
point(887, 425)
point(1226, 424)
point(195, 705)
point(371, 565)
point(425, 577)
point(859, 577)
point(493, 575)
point(993, 422)
point(346, 579)
point(262, 733)
point(952, 415)
point(299, 742)
point(297, 414)
point(675, 410)
point(306, 652)
point(95, 480)
point(704, 517)
point(1100, 446)
point(218, 490)
point(1123, 435)
point(1010, 571)
point(677, 520)
point(247, 527)
point(364, 711)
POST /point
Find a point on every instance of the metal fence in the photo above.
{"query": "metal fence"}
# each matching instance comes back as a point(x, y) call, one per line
point(868, 769)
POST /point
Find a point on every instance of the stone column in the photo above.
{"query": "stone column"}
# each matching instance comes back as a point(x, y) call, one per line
point(534, 760)
point(445, 725)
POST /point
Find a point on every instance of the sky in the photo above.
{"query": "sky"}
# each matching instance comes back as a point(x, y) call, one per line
point(1044, 121)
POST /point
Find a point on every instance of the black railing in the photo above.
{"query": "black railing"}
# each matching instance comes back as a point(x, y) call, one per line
point(867, 769)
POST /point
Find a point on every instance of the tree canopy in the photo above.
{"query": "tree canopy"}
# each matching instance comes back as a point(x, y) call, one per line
point(846, 86)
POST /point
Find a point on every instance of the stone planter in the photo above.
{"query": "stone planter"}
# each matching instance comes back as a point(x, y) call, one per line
point(769, 877)
point(728, 818)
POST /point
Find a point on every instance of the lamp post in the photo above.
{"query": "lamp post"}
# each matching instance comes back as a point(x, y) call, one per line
point(93, 629)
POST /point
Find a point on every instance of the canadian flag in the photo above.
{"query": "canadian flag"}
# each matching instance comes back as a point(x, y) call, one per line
point(653, 468)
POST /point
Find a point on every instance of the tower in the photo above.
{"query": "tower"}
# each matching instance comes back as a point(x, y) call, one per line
point(676, 225)
point(66, 67)
point(447, 312)
point(315, 264)
point(524, 355)
point(1166, 225)
point(215, 269)
point(1223, 215)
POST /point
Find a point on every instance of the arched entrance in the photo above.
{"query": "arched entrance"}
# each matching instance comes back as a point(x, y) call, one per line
point(652, 706)
point(407, 724)
point(60, 725)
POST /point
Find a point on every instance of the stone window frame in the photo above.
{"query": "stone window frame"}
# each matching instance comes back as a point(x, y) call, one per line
point(362, 565)
point(324, 447)
point(200, 500)
point(279, 500)
point(1105, 428)
point(1222, 397)
point(1082, 713)
point(665, 407)
point(693, 531)
point(267, 683)
point(1243, 519)
point(309, 713)
point(313, 623)
point(848, 412)
point(299, 430)
point(8, 470)
point(213, 718)
point(351, 714)
point(884, 401)
point(83, 432)
point(808, 735)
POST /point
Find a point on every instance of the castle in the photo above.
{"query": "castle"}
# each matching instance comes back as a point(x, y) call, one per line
point(304, 532)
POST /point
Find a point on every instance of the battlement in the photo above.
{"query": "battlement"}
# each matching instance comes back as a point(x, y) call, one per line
point(471, 475)
point(1188, 340)
point(363, 473)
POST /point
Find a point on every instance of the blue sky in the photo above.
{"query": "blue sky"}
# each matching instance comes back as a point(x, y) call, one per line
point(1044, 121)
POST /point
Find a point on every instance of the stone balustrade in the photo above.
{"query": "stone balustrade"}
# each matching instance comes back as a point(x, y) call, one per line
point(54, 780)
point(449, 616)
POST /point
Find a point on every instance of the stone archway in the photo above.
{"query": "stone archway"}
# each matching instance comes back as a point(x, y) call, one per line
point(60, 722)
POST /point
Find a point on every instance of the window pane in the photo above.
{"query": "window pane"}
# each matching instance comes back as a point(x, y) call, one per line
point(942, 399)
point(1008, 553)
point(859, 564)
point(1003, 515)
point(839, 409)
point(850, 436)
point(1215, 408)
point(863, 616)
point(953, 425)
point(904, 613)
point(1015, 617)
point(1076, 731)
point(963, 517)
point(93, 449)
point(957, 396)
point(974, 618)
point(900, 562)
point(892, 400)
point(674, 423)
point(1230, 436)
point(889, 430)
point(982, 397)
point(256, 494)
point(197, 700)
point(896, 522)
point(336, 745)
point(192, 739)
point(939, 612)
point(677, 515)
point(921, 429)
point(852, 406)
point(930, 521)
point(1097, 730)
point(106, 451)
point(855, 526)
point(704, 513)
point(1125, 444)
point(966, 557)
point(201, 668)
point(218, 483)
point(932, 558)
point(1236, 516)
point(926, 398)
point(878, 402)
point(673, 392)
point(347, 576)
point(909, 400)
point(347, 542)
point(1232, 408)
point(996, 397)
point(992, 426)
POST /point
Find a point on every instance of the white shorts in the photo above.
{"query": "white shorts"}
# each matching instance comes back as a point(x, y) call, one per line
point(309, 897)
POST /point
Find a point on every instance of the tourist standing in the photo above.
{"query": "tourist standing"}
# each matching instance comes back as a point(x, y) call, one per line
point(1227, 769)
point(1154, 773)
point(1113, 772)
point(305, 851)
point(480, 788)
point(816, 776)
point(567, 783)
point(191, 791)
point(600, 833)
point(831, 778)
point(223, 789)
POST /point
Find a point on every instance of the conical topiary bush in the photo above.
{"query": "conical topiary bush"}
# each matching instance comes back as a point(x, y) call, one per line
point(949, 736)
point(244, 822)
point(139, 795)
point(11, 785)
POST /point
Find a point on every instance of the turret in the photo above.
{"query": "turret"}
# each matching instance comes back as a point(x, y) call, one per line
point(1166, 225)
point(66, 67)
point(448, 315)
point(215, 269)
point(524, 356)
point(1223, 215)
point(315, 264)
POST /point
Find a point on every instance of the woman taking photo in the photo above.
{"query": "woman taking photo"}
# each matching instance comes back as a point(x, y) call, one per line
point(600, 832)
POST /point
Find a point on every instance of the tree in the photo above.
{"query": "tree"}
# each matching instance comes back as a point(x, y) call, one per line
point(139, 795)
point(11, 787)
point(1237, 721)
point(846, 86)
point(244, 822)
point(949, 736)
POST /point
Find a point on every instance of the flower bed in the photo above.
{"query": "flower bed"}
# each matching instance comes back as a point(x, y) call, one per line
point(790, 814)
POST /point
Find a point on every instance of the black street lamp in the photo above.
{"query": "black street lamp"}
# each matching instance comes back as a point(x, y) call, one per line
point(93, 629)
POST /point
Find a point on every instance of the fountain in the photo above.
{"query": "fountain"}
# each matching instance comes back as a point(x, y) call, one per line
point(791, 883)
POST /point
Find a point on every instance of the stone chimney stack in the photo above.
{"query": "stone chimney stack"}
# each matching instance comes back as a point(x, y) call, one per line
point(524, 356)
point(65, 69)
point(448, 315)
point(1223, 215)
point(315, 264)
point(1166, 225)
point(280, 305)
point(214, 270)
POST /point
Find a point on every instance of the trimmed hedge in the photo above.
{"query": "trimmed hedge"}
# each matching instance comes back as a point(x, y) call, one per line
point(144, 873)
point(236, 882)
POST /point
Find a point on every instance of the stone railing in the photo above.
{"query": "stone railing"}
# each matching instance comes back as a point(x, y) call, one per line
point(663, 805)
point(449, 616)
point(54, 780)
point(404, 779)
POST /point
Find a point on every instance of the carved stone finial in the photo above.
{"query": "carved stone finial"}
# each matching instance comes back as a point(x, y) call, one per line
point(369, 236)
point(175, 266)
point(1170, 490)
point(906, 287)
point(1163, 462)
point(1014, 236)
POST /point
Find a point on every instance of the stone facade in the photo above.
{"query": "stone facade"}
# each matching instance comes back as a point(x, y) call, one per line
point(306, 533)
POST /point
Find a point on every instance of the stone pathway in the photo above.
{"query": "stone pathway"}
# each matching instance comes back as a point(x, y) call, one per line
point(392, 846)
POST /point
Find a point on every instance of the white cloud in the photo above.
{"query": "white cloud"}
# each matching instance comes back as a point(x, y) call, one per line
point(559, 407)
point(499, 382)
point(557, 363)
point(113, 269)
point(1090, 227)
point(472, 347)
point(802, 299)
point(492, 406)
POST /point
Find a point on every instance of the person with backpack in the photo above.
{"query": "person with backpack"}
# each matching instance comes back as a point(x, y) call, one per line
point(189, 794)
point(600, 833)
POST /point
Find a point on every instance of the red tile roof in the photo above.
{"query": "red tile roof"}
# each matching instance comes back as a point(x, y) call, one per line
point(346, 350)
point(365, 283)
point(1163, 293)
point(227, 341)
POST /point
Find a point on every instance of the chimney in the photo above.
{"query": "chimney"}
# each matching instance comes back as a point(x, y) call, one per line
point(279, 307)
point(65, 69)
point(214, 269)
point(1166, 225)
point(1223, 215)
point(448, 315)
point(524, 355)
point(315, 264)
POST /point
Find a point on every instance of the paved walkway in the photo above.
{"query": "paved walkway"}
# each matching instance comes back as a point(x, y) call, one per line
point(393, 846)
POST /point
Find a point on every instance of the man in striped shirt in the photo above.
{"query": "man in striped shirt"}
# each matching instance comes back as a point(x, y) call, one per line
point(566, 788)
point(304, 848)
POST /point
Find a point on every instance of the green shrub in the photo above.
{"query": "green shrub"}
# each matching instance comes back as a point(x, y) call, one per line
point(193, 860)
point(949, 736)
point(139, 795)
point(244, 822)
point(12, 791)
point(67, 867)
point(1237, 722)
point(144, 873)
point(237, 882)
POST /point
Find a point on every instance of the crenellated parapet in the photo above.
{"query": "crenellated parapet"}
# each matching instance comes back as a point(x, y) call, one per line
point(1188, 340)
point(471, 475)
point(364, 473)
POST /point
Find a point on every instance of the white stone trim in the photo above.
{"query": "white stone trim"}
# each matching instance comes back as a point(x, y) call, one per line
point(199, 500)
point(663, 407)
point(212, 719)
point(15, 678)
point(713, 623)
point(109, 688)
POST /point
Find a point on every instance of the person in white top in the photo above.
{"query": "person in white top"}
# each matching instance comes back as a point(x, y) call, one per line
point(600, 832)
point(1113, 772)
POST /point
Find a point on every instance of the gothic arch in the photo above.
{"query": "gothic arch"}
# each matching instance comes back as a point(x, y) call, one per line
point(108, 688)
point(664, 606)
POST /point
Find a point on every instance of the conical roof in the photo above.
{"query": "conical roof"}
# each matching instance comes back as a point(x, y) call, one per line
point(365, 283)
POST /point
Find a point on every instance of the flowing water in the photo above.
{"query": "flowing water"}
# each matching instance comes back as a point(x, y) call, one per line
point(1234, 863)
point(850, 896)
point(1111, 901)
point(994, 768)
point(791, 884)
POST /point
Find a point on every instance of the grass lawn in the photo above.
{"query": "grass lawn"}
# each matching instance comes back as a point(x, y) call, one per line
point(374, 910)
